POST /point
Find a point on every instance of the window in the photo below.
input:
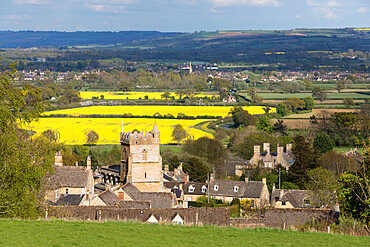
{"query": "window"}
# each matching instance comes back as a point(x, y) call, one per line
point(215, 188)
point(266, 164)
point(277, 198)
point(66, 191)
point(252, 203)
point(270, 165)
point(236, 188)
point(306, 202)
point(190, 198)
point(145, 155)
point(283, 203)
point(144, 175)
point(191, 189)
point(204, 189)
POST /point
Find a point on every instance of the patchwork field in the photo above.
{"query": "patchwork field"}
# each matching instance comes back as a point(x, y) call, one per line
point(72, 233)
point(132, 95)
point(71, 130)
point(150, 110)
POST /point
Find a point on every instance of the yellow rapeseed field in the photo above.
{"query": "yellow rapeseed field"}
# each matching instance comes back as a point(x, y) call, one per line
point(71, 130)
point(150, 110)
point(131, 95)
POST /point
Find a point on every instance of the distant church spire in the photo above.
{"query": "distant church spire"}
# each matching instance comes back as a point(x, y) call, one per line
point(155, 128)
point(190, 69)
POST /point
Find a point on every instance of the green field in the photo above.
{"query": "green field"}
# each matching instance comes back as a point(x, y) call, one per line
point(63, 233)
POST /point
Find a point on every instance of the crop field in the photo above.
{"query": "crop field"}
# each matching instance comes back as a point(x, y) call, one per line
point(131, 95)
point(150, 110)
point(118, 233)
point(71, 130)
point(302, 95)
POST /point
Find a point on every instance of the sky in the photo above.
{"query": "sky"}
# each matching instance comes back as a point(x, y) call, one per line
point(181, 15)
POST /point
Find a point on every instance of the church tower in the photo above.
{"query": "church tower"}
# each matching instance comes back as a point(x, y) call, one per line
point(141, 162)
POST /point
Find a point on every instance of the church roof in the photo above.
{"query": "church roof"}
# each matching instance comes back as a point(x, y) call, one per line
point(155, 128)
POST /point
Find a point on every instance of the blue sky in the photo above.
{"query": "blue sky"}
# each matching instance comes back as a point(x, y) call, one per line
point(181, 15)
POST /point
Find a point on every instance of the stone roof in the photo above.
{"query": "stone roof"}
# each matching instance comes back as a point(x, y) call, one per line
point(155, 128)
point(109, 198)
point(69, 200)
point(156, 199)
point(197, 188)
point(69, 176)
point(295, 197)
point(231, 188)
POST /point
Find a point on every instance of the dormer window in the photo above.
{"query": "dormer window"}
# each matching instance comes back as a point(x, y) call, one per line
point(145, 155)
point(215, 188)
point(191, 189)
point(204, 189)
point(236, 188)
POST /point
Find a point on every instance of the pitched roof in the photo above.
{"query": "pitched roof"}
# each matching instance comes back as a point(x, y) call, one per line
point(130, 189)
point(295, 197)
point(69, 176)
point(69, 200)
point(197, 188)
point(109, 198)
point(241, 189)
point(155, 128)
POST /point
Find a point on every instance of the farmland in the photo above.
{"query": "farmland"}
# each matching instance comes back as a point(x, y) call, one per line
point(71, 130)
point(150, 110)
point(111, 95)
point(64, 233)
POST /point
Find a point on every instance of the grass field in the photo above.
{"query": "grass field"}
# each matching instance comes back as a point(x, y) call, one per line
point(131, 95)
point(150, 110)
point(71, 130)
point(64, 233)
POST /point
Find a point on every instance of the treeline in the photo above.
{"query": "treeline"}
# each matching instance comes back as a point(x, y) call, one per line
point(129, 115)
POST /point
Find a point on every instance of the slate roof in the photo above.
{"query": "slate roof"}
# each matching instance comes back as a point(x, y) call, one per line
point(295, 197)
point(109, 198)
point(69, 176)
point(252, 189)
point(175, 187)
point(156, 199)
point(197, 188)
point(69, 200)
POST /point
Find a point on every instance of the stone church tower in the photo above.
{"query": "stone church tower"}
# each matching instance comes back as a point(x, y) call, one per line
point(141, 162)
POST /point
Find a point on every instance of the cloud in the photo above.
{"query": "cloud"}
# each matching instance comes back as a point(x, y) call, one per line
point(324, 9)
point(265, 3)
point(16, 17)
point(363, 10)
point(106, 8)
point(33, 2)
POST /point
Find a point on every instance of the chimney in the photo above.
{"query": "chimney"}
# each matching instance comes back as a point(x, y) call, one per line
point(76, 163)
point(289, 148)
point(58, 159)
point(264, 180)
point(257, 149)
point(246, 179)
point(273, 187)
point(280, 150)
point(88, 163)
point(266, 147)
point(166, 168)
point(212, 177)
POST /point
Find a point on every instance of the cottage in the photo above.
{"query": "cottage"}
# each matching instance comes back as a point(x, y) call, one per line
point(291, 198)
point(267, 159)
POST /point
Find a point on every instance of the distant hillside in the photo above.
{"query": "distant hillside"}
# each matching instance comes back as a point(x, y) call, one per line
point(27, 39)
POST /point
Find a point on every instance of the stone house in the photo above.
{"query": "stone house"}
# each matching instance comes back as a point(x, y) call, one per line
point(226, 190)
point(229, 99)
point(73, 185)
point(281, 198)
point(270, 160)
point(194, 190)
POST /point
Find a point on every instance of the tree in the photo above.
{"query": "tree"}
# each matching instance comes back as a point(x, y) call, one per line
point(282, 109)
point(263, 123)
point(180, 93)
point(319, 94)
point(348, 102)
point(294, 104)
point(309, 103)
point(23, 161)
point(241, 117)
point(124, 86)
point(339, 86)
point(178, 133)
point(166, 95)
point(323, 143)
point(338, 163)
point(280, 127)
point(91, 137)
point(305, 159)
point(324, 187)
point(51, 135)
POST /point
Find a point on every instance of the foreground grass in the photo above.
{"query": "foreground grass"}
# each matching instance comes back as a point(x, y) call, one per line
point(61, 233)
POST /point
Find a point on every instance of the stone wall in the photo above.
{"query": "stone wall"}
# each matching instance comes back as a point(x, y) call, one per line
point(191, 216)
point(287, 218)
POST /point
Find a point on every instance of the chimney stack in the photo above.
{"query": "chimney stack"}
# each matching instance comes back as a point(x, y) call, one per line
point(246, 179)
point(289, 148)
point(273, 187)
point(58, 159)
point(88, 163)
point(212, 177)
point(166, 168)
point(266, 147)
point(264, 180)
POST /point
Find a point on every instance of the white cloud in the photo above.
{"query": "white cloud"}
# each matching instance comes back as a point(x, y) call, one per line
point(324, 9)
point(33, 2)
point(266, 3)
point(16, 17)
point(106, 8)
point(109, 2)
point(363, 10)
